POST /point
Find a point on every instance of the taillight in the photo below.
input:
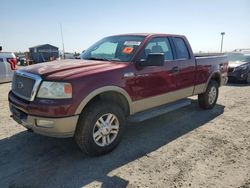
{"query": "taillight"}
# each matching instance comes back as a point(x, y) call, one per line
point(12, 62)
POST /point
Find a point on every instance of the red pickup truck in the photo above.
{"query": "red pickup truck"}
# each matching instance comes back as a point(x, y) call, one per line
point(121, 78)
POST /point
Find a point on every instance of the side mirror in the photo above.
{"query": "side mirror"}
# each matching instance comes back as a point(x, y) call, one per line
point(153, 59)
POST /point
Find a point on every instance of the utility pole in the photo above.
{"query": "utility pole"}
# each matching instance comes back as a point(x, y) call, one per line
point(222, 36)
point(62, 41)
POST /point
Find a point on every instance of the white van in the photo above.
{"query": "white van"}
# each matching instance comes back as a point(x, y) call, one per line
point(8, 63)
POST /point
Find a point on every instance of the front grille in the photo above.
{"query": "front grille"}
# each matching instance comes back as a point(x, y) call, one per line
point(230, 69)
point(25, 85)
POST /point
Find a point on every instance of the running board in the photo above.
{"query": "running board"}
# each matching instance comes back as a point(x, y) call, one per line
point(148, 114)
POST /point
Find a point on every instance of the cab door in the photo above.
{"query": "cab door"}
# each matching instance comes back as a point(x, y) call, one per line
point(154, 82)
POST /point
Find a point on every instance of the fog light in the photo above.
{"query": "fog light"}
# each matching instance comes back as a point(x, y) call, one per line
point(44, 123)
point(242, 75)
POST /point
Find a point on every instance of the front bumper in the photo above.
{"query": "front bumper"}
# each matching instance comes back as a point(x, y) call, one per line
point(53, 127)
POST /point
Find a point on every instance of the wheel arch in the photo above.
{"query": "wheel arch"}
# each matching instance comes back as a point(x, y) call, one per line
point(111, 93)
point(216, 76)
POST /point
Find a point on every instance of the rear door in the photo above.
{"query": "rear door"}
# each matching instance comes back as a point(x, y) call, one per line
point(185, 66)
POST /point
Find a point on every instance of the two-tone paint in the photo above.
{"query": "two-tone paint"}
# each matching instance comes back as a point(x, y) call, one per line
point(140, 88)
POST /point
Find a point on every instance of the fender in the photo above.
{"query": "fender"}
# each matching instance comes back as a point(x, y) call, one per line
point(201, 88)
point(210, 77)
point(98, 91)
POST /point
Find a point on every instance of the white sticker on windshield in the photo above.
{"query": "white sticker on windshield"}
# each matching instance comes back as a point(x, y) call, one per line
point(132, 43)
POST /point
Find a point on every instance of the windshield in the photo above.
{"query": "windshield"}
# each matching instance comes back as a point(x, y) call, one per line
point(239, 57)
point(115, 48)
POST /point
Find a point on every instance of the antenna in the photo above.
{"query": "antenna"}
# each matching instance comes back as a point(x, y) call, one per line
point(62, 41)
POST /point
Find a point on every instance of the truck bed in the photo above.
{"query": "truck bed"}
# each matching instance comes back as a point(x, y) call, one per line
point(208, 54)
point(218, 60)
point(210, 64)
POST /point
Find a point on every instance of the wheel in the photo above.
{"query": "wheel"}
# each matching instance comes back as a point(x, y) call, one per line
point(100, 128)
point(208, 99)
point(248, 78)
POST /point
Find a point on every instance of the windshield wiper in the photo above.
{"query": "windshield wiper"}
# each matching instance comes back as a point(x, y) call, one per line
point(98, 58)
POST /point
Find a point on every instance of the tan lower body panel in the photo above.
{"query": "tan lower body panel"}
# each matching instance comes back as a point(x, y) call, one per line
point(144, 104)
point(137, 106)
point(54, 127)
point(201, 88)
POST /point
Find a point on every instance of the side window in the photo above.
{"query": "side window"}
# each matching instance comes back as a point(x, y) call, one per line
point(158, 45)
point(181, 48)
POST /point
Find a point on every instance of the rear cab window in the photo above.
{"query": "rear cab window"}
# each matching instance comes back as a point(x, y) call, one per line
point(182, 52)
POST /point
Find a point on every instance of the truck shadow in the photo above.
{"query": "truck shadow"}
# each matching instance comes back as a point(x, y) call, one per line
point(29, 160)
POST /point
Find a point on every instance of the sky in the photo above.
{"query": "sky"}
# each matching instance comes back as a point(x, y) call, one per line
point(27, 23)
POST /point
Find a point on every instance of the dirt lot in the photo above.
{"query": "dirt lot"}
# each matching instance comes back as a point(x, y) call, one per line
point(185, 148)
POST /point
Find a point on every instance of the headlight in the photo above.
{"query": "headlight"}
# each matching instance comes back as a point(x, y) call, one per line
point(55, 90)
point(242, 67)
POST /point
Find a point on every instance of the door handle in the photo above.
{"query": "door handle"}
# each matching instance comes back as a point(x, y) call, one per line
point(175, 69)
point(128, 75)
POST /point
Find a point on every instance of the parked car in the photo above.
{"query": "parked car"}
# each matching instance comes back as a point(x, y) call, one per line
point(8, 63)
point(239, 66)
point(121, 78)
point(21, 60)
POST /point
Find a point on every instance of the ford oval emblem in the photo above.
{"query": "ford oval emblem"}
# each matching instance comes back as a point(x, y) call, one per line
point(20, 85)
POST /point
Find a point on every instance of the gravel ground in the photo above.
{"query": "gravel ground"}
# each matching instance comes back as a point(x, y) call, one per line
point(186, 148)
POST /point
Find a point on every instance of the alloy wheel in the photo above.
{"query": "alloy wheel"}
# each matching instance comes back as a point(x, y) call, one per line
point(106, 130)
point(212, 94)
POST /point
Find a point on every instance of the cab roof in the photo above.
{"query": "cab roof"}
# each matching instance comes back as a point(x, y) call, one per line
point(149, 34)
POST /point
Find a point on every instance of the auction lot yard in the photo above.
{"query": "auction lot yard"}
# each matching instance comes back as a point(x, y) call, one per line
point(186, 148)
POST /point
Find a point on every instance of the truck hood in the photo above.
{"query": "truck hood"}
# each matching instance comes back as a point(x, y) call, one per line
point(66, 68)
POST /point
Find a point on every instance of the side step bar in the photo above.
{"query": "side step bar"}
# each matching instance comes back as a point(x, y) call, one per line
point(148, 114)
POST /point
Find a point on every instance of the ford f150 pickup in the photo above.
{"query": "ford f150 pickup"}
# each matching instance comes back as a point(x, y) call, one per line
point(121, 78)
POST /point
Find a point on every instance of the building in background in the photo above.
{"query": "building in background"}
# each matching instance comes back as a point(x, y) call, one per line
point(43, 53)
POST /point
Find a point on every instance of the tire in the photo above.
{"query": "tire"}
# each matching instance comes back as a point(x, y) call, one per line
point(208, 99)
point(248, 78)
point(93, 134)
